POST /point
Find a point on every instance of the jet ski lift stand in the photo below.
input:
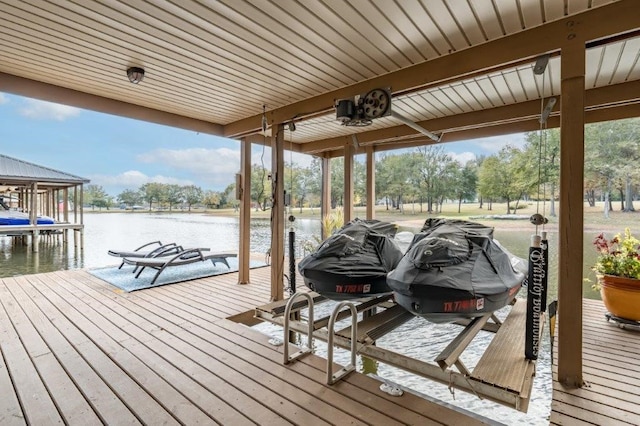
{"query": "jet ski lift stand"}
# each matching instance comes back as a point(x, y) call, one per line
point(502, 374)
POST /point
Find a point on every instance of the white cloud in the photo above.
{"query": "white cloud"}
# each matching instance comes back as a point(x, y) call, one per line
point(37, 109)
point(132, 179)
point(493, 144)
point(3, 99)
point(462, 157)
point(196, 160)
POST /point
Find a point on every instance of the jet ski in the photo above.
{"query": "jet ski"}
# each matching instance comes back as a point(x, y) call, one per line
point(353, 262)
point(454, 270)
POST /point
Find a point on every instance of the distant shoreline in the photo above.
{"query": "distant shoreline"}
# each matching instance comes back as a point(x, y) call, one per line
point(412, 218)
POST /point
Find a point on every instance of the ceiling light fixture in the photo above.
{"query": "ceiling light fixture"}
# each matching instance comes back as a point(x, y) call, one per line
point(135, 74)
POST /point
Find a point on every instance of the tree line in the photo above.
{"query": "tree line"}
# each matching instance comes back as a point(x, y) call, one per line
point(427, 177)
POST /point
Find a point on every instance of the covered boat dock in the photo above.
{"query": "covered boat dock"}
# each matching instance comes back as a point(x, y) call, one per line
point(255, 71)
point(41, 190)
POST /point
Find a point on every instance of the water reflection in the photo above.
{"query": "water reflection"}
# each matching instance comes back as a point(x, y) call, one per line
point(105, 231)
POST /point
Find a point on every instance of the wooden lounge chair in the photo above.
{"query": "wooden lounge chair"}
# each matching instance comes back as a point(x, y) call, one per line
point(152, 249)
point(160, 263)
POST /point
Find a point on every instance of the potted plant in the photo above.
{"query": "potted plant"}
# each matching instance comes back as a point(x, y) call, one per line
point(618, 270)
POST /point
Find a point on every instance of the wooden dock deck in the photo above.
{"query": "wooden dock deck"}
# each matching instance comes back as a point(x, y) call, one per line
point(611, 370)
point(76, 350)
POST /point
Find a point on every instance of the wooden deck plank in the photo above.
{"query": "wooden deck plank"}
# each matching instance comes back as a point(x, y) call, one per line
point(305, 393)
point(363, 388)
point(503, 362)
point(10, 410)
point(611, 370)
point(246, 390)
point(61, 387)
point(167, 355)
point(205, 391)
point(112, 361)
point(37, 405)
point(208, 343)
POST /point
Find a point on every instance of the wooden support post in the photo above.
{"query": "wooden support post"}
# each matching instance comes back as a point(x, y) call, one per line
point(33, 215)
point(571, 214)
point(277, 212)
point(348, 182)
point(325, 202)
point(82, 216)
point(371, 183)
point(244, 193)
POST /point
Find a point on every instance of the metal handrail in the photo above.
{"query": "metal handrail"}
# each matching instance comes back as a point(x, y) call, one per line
point(331, 376)
point(287, 317)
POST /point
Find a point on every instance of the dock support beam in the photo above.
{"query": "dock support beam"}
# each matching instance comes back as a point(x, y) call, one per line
point(244, 192)
point(325, 201)
point(277, 212)
point(571, 226)
point(348, 182)
point(371, 183)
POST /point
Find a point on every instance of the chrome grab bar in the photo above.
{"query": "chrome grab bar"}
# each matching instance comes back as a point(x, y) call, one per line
point(334, 377)
point(287, 317)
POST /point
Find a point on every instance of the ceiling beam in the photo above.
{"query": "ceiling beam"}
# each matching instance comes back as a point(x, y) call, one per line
point(600, 22)
point(595, 98)
point(606, 113)
point(48, 92)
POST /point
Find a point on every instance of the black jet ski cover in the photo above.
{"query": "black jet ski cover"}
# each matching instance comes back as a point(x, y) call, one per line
point(354, 261)
point(454, 269)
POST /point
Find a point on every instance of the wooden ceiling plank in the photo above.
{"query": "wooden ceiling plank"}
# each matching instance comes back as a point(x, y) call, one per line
point(112, 42)
point(478, 94)
point(145, 34)
point(395, 12)
point(611, 62)
point(424, 23)
point(531, 12)
point(593, 68)
point(516, 85)
point(574, 6)
point(462, 90)
point(410, 108)
point(436, 106)
point(332, 41)
point(488, 18)
point(355, 64)
point(97, 65)
point(278, 40)
point(509, 15)
point(553, 10)
point(464, 16)
point(325, 13)
point(628, 60)
point(489, 89)
point(449, 28)
point(617, 17)
point(250, 57)
point(450, 104)
point(383, 21)
point(368, 34)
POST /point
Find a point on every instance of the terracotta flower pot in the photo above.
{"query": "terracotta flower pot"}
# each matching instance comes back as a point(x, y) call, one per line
point(621, 296)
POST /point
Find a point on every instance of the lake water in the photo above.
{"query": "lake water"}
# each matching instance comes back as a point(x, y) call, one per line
point(416, 338)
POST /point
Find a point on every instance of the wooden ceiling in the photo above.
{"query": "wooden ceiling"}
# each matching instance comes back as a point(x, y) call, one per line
point(461, 68)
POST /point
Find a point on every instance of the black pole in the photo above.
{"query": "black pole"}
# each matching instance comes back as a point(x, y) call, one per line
point(544, 245)
point(292, 256)
point(534, 293)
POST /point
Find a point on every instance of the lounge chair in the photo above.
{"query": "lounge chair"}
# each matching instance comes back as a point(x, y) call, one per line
point(152, 249)
point(160, 263)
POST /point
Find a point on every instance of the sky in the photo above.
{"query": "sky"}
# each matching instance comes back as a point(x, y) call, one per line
point(119, 153)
